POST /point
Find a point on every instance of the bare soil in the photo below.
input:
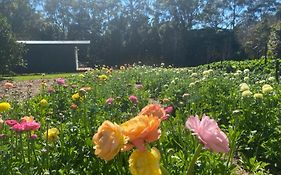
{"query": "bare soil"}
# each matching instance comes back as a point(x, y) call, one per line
point(22, 89)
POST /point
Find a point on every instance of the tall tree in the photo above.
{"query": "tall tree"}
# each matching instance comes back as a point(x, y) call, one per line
point(10, 51)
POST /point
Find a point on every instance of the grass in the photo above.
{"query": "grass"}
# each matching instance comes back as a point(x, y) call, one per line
point(26, 77)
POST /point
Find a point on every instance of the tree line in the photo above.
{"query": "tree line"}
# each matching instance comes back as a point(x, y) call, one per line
point(178, 32)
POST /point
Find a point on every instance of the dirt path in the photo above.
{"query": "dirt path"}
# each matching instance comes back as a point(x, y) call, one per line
point(21, 89)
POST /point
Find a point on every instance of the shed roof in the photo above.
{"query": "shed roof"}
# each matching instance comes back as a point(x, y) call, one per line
point(55, 42)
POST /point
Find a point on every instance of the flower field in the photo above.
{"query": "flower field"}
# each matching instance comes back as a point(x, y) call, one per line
point(216, 119)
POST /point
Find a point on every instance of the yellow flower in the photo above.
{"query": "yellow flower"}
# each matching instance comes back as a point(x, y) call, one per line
point(52, 134)
point(102, 77)
point(246, 93)
point(145, 162)
point(43, 103)
point(76, 97)
point(244, 87)
point(108, 140)
point(5, 106)
point(267, 89)
point(258, 95)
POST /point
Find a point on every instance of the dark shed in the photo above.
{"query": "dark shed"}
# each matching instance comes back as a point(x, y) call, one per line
point(51, 56)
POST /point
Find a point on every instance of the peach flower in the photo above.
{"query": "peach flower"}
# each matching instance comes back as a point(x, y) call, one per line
point(153, 109)
point(108, 140)
point(140, 130)
point(209, 133)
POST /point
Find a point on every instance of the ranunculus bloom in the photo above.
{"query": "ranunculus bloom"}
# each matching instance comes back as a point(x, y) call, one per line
point(5, 106)
point(102, 77)
point(18, 127)
point(11, 122)
point(27, 119)
point(165, 100)
point(109, 101)
point(133, 99)
point(153, 109)
point(86, 88)
point(267, 89)
point(246, 93)
point(76, 97)
point(32, 125)
point(73, 106)
point(208, 133)
point(142, 129)
point(60, 81)
point(244, 87)
point(108, 140)
point(145, 162)
point(258, 95)
point(43, 103)
point(52, 134)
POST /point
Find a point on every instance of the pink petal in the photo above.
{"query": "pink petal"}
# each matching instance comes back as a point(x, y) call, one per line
point(193, 123)
point(139, 143)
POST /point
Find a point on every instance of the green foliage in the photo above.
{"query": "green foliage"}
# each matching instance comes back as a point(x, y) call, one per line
point(274, 43)
point(10, 51)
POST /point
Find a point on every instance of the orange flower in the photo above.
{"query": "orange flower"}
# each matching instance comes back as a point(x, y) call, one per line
point(153, 109)
point(108, 140)
point(140, 130)
point(27, 119)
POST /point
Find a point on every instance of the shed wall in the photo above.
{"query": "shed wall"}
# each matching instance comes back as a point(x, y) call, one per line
point(50, 58)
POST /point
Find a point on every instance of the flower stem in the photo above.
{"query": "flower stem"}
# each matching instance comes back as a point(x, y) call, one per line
point(195, 157)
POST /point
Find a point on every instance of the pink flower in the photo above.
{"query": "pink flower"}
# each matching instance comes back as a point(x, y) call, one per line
point(109, 101)
point(208, 133)
point(60, 81)
point(11, 122)
point(18, 127)
point(169, 109)
point(33, 125)
point(133, 99)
